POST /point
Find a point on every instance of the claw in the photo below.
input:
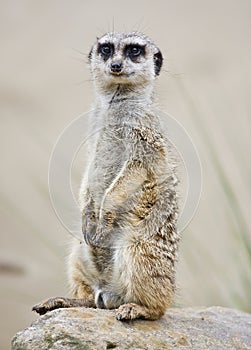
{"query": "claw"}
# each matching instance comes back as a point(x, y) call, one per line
point(118, 317)
point(41, 310)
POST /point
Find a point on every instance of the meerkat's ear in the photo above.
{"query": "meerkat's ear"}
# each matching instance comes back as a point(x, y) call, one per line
point(90, 55)
point(158, 60)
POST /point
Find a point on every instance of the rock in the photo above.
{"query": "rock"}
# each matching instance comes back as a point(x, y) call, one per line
point(86, 329)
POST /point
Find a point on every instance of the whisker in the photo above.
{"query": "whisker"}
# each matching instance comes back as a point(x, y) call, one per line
point(82, 82)
point(80, 52)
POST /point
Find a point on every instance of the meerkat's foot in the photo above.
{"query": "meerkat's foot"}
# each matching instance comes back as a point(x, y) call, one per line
point(60, 302)
point(133, 311)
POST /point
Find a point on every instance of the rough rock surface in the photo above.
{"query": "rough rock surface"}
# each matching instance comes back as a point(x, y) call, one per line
point(189, 328)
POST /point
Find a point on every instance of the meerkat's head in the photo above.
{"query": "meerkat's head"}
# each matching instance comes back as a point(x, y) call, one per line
point(129, 59)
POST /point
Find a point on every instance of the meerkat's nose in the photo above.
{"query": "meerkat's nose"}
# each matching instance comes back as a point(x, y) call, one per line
point(116, 67)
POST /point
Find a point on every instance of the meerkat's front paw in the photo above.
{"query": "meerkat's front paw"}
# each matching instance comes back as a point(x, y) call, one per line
point(130, 312)
point(61, 302)
point(49, 305)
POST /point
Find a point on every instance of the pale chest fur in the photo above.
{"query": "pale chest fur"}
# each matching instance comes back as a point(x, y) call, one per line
point(128, 136)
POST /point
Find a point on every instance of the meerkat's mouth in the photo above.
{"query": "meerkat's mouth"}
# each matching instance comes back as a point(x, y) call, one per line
point(116, 74)
point(121, 74)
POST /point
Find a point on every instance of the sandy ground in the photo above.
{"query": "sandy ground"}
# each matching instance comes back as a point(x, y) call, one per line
point(44, 84)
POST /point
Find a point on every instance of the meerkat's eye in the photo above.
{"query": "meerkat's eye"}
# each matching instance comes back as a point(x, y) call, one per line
point(106, 50)
point(134, 51)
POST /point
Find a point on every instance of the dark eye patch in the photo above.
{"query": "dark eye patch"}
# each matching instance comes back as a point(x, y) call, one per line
point(106, 50)
point(134, 51)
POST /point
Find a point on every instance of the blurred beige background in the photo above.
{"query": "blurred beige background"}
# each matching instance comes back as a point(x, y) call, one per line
point(44, 84)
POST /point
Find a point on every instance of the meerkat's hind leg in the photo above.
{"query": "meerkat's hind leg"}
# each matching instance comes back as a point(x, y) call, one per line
point(60, 302)
point(133, 311)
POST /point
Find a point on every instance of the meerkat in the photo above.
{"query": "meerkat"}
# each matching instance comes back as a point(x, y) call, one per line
point(128, 196)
